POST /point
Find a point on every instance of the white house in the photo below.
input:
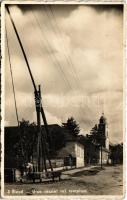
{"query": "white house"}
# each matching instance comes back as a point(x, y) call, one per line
point(73, 150)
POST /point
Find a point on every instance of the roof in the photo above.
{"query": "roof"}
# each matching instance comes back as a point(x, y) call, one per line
point(68, 137)
point(13, 129)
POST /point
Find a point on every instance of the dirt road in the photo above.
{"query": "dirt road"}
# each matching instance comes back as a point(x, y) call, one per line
point(108, 181)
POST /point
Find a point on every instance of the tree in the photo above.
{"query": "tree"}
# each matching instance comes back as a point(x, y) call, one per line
point(57, 140)
point(116, 153)
point(24, 143)
point(94, 135)
point(28, 138)
point(72, 126)
point(20, 143)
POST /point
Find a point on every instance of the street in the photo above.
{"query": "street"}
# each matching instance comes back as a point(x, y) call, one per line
point(93, 181)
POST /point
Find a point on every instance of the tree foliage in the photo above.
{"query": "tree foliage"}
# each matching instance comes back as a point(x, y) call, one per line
point(57, 140)
point(20, 143)
point(72, 126)
point(116, 153)
point(28, 138)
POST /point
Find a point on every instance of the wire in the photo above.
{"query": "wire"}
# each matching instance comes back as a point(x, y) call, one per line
point(12, 80)
point(68, 58)
point(59, 66)
point(14, 95)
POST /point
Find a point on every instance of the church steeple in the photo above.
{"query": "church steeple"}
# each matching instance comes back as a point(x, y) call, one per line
point(103, 129)
point(102, 119)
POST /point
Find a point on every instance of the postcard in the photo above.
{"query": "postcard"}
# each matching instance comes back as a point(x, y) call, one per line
point(62, 99)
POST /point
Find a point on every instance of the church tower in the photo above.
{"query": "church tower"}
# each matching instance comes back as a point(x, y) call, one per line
point(103, 130)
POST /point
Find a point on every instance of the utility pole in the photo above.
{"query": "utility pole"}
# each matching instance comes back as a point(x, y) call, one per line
point(41, 152)
point(101, 156)
point(100, 145)
point(38, 106)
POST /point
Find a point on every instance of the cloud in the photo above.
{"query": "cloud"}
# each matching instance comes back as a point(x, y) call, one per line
point(76, 55)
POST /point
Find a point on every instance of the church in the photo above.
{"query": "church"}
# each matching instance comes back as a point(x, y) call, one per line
point(96, 144)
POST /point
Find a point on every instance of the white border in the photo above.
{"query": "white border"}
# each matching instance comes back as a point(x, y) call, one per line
point(68, 2)
point(76, 2)
point(2, 92)
point(124, 101)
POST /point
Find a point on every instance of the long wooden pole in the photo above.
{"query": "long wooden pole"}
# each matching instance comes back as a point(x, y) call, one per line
point(34, 85)
point(23, 51)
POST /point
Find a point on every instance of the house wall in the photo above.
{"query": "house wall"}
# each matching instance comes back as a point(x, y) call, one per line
point(68, 149)
point(107, 143)
point(79, 152)
point(104, 157)
point(76, 150)
point(71, 148)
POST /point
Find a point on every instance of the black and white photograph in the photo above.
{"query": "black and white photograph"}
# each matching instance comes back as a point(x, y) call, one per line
point(63, 126)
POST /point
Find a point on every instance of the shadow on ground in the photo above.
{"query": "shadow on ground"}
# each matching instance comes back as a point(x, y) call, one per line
point(90, 172)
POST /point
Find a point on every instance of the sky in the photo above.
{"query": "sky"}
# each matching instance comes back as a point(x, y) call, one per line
point(76, 53)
